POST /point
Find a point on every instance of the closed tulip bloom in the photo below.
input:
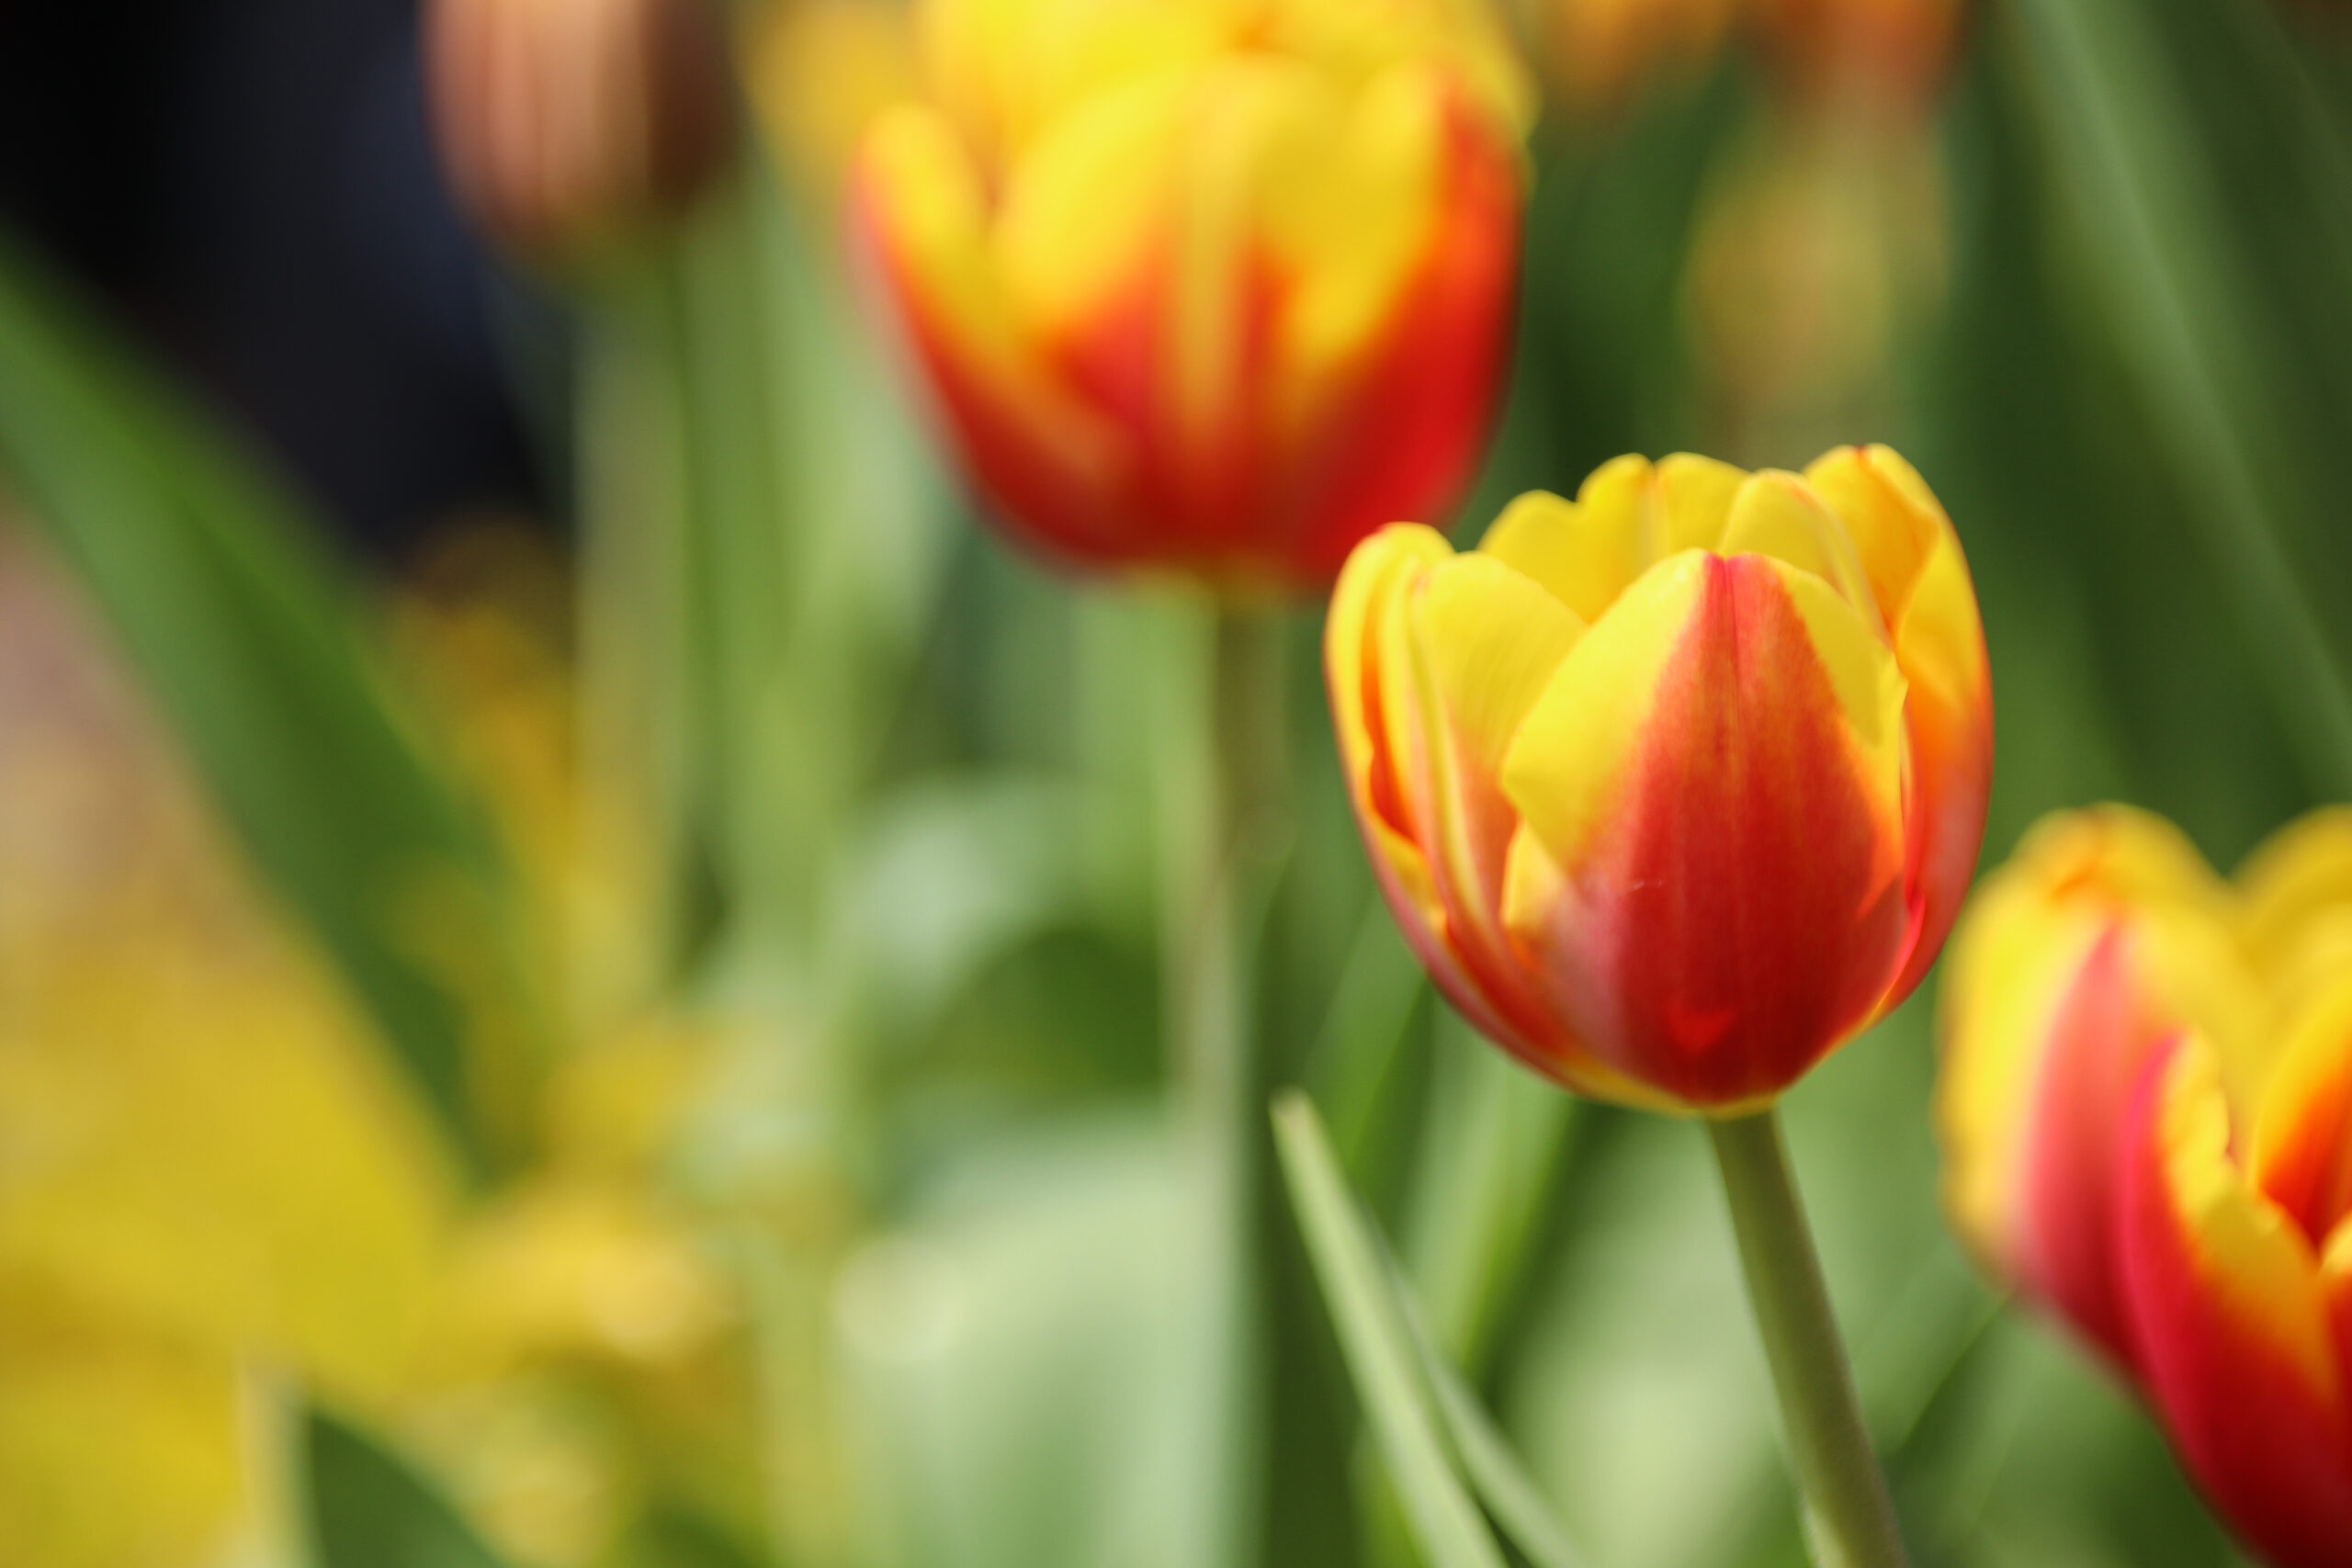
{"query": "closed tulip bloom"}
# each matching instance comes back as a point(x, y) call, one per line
point(1217, 285)
point(2146, 1108)
point(565, 124)
point(1675, 787)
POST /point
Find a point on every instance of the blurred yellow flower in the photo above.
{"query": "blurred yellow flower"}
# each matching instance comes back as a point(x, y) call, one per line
point(205, 1168)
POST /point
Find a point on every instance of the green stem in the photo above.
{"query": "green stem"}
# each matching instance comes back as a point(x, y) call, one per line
point(1848, 1511)
point(1224, 794)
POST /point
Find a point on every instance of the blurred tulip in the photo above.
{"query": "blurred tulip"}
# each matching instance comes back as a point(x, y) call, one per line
point(568, 123)
point(2146, 1110)
point(1219, 286)
point(1889, 53)
point(1676, 788)
point(1818, 249)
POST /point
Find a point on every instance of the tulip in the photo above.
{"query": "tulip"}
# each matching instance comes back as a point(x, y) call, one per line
point(1890, 52)
point(2146, 1110)
point(568, 123)
point(1214, 288)
point(1676, 788)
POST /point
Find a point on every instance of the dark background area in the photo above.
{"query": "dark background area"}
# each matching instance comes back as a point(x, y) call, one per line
point(251, 183)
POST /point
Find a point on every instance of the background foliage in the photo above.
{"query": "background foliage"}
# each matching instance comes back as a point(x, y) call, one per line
point(753, 966)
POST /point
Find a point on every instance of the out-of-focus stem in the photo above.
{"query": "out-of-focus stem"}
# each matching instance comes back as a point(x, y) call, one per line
point(1847, 1512)
point(1225, 826)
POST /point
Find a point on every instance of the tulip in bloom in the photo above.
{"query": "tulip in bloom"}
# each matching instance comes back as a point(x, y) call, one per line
point(2147, 1108)
point(1675, 787)
point(1214, 285)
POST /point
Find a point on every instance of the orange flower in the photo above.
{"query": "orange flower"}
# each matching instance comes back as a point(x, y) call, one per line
point(2146, 1110)
point(1676, 788)
point(1212, 284)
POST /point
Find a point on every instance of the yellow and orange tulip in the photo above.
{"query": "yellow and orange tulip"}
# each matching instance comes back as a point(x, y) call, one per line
point(1217, 285)
point(2146, 1110)
point(1675, 787)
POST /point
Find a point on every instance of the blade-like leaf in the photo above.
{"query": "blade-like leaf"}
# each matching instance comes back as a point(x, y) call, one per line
point(370, 1510)
point(1378, 1343)
point(2155, 242)
point(208, 571)
point(1510, 1495)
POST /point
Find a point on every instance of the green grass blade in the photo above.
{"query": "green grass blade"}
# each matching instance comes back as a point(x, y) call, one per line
point(369, 1509)
point(1377, 1342)
point(246, 637)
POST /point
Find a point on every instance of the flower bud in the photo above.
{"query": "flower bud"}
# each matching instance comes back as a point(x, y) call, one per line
point(566, 123)
point(1215, 286)
point(1675, 787)
point(2146, 1112)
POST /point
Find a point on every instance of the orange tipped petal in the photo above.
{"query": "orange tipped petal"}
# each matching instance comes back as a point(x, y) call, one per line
point(2233, 1327)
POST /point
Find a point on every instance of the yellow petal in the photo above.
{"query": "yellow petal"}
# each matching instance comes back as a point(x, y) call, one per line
point(1896, 521)
point(1585, 551)
point(1349, 203)
point(1082, 206)
point(931, 213)
point(1486, 641)
point(1365, 697)
point(2012, 962)
point(1563, 768)
point(1692, 502)
point(1775, 514)
point(2298, 892)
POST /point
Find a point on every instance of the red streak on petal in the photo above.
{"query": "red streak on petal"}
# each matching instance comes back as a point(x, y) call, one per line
point(2309, 1172)
point(2271, 1452)
point(2100, 1037)
point(1952, 777)
point(1747, 907)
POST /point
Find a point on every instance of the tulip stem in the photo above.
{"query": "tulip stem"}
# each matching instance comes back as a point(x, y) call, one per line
point(1847, 1512)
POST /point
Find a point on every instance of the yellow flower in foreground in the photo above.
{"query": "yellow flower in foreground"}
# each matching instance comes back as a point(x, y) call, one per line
point(1675, 787)
point(209, 1181)
point(1219, 286)
point(2146, 1112)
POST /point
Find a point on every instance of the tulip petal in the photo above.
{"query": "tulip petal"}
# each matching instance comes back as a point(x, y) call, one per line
point(1920, 580)
point(1691, 504)
point(1775, 514)
point(1585, 551)
point(2013, 970)
point(1039, 453)
point(1485, 643)
point(1894, 519)
point(2298, 890)
point(1373, 716)
point(1716, 769)
point(2234, 1331)
point(1396, 429)
point(2302, 1157)
point(2098, 1039)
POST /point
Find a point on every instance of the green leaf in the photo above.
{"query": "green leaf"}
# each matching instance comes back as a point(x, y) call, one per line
point(1438, 1444)
point(1510, 1495)
point(249, 640)
point(2153, 235)
point(370, 1509)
